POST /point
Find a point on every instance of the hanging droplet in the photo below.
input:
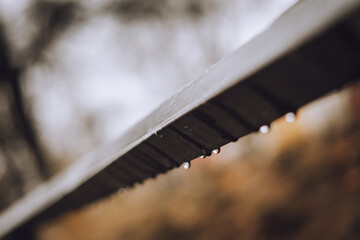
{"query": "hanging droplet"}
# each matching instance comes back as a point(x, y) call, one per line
point(203, 156)
point(187, 165)
point(216, 151)
point(122, 191)
point(159, 134)
point(290, 117)
point(264, 129)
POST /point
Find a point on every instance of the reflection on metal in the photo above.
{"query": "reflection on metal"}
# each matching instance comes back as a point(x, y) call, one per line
point(311, 50)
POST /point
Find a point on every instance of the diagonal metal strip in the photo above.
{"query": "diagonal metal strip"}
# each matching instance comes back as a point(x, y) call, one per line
point(311, 50)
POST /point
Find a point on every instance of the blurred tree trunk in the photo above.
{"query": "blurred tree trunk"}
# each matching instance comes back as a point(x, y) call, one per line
point(17, 135)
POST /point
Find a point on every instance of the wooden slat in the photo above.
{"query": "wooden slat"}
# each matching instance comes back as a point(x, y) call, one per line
point(311, 50)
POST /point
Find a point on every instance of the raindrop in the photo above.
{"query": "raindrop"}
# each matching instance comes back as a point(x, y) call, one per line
point(203, 156)
point(290, 117)
point(216, 151)
point(264, 129)
point(122, 191)
point(159, 134)
point(187, 165)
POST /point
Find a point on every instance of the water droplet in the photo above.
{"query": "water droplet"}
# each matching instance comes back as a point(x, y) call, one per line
point(203, 156)
point(264, 129)
point(159, 134)
point(216, 151)
point(187, 165)
point(122, 191)
point(290, 117)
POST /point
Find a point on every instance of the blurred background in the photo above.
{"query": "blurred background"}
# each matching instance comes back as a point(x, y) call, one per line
point(77, 74)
